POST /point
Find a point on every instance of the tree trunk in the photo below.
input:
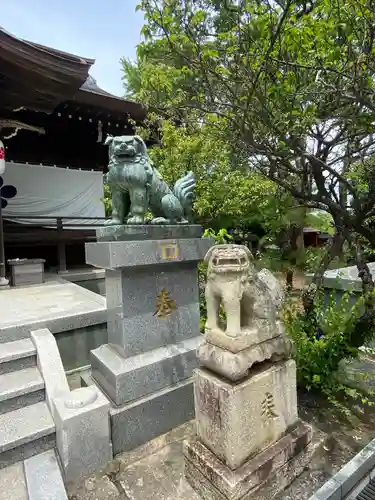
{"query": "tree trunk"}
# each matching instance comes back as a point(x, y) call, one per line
point(364, 273)
point(289, 280)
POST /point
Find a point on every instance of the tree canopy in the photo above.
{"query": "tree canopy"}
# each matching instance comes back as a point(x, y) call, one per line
point(226, 197)
point(293, 82)
point(289, 85)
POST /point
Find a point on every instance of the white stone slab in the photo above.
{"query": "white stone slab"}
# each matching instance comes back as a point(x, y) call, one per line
point(20, 382)
point(10, 351)
point(344, 278)
point(24, 425)
point(43, 477)
point(12, 483)
point(33, 307)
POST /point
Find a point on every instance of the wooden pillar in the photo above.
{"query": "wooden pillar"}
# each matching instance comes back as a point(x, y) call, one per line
point(3, 281)
point(61, 246)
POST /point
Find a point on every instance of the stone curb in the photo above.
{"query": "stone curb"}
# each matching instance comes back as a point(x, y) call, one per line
point(358, 472)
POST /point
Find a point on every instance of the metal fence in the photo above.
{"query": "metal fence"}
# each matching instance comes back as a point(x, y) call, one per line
point(59, 224)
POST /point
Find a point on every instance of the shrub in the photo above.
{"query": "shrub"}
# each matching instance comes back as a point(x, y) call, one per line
point(332, 333)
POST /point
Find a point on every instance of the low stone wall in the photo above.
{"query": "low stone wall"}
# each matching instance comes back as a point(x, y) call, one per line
point(96, 285)
point(339, 281)
point(75, 345)
point(89, 278)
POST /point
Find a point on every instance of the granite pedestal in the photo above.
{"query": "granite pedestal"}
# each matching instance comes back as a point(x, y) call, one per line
point(153, 325)
point(250, 442)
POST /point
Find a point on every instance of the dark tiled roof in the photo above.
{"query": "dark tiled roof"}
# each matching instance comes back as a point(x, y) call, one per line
point(38, 77)
point(93, 95)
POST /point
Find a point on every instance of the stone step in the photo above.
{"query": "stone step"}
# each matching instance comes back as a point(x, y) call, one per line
point(25, 432)
point(20, 388)
point(17, 355)
point(36, 478)
point(43, 477)
point(13, 483)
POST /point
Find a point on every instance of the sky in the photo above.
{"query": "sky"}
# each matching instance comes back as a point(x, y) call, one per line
point(105, 30)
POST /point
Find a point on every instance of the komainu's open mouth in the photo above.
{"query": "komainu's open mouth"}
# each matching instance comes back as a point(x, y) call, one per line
point(235, 263)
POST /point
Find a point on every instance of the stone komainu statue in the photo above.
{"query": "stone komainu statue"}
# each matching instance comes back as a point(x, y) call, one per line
point(252, 330)
point(137, 187)
point(251, 300)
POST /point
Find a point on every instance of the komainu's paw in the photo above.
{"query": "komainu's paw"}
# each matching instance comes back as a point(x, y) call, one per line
point(160, 221)
point(113, 222)
point(136, 219)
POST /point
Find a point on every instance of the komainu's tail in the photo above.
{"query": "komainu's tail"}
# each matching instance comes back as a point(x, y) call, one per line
point(184, 191)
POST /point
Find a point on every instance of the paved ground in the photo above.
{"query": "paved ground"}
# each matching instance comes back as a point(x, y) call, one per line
point(152, 472)
point(48, 302)
point(155, 470)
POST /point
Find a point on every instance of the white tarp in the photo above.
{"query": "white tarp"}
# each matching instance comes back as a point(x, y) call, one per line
point(53, 192)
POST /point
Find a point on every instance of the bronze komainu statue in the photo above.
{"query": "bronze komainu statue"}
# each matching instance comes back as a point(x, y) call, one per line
point(137, 187)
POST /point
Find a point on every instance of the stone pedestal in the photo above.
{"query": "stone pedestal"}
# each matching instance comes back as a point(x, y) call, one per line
point(261, 477)
point(153, 325)
point(26, 271)
point(250, 443)
point(236, 421)
point(249, 438)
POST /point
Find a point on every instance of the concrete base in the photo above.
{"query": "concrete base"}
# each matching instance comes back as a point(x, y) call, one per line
point(147, 418)
point(135, 424)
point(260, 478)
point(127, 379)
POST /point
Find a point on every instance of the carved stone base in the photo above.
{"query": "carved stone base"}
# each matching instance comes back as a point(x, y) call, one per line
point(260, 478)
point(236, 420)
point(249, 337)
point(235, 366)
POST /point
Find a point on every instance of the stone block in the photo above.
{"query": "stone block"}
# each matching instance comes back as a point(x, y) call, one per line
point(261, 477)
point(75, 346)
point(82, 432)
point(132, 301)
point(355, 470)
point(137, 423)
point(249, 337)
point(12, 479)
point(331, 490)
point(238, 420)
point(26, 271)
point(134, 232)
point(127, 254)
point(126, 379)
point(43, 477)
point(235, 366)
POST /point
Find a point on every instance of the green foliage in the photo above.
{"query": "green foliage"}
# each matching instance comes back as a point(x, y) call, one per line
point(323, 340)
point(131, 77)
point(321, 221)
point(221, 237)
point(225, 197)
point(313, 257)
point(202, 276)
point(292, 85)
point(107, 200)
